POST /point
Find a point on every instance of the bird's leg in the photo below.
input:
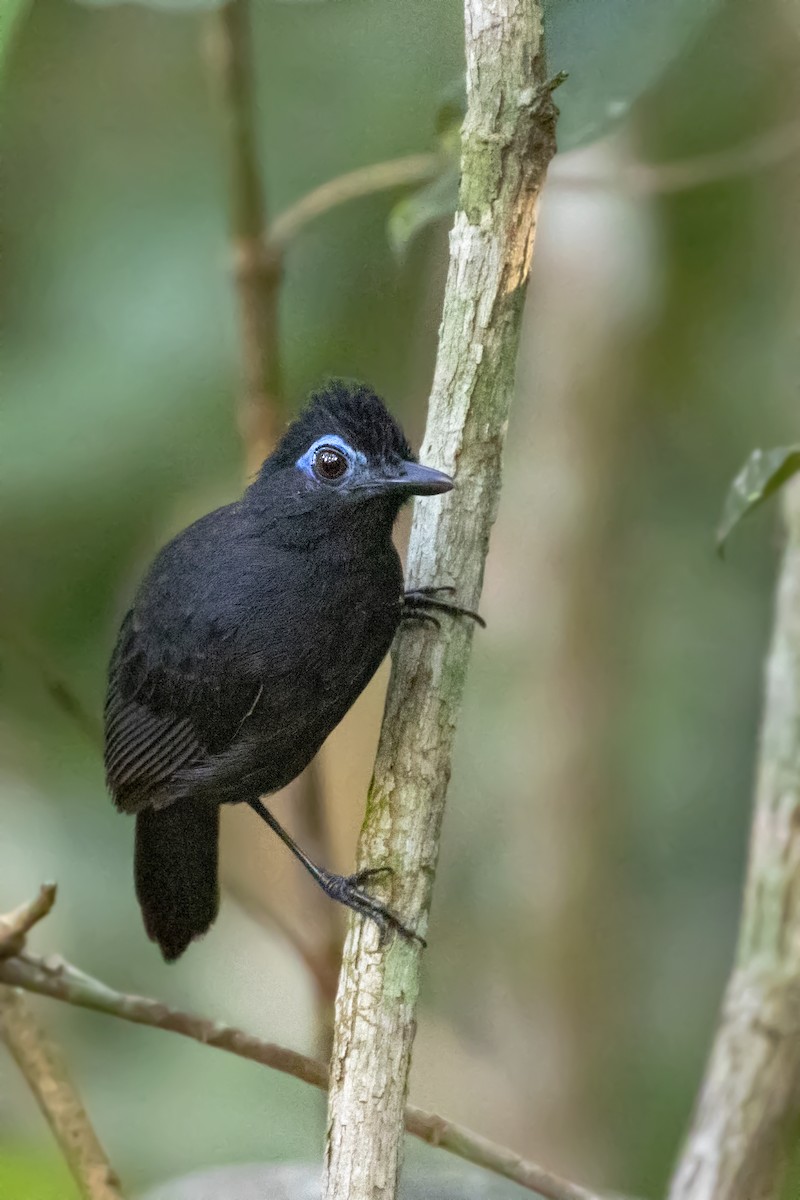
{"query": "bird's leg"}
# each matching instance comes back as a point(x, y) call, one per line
point(417, 600)
point(346, 889)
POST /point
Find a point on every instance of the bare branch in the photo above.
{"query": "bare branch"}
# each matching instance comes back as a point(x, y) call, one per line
point(60, 980)
point(749, 1102)
point(447, 1135)
point(507, 143)
point(765, 150)
point(40, 1062)
point(365, 181)
point(14, 926)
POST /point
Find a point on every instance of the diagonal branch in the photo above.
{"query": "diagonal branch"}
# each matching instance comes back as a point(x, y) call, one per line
point(15, 926)
point(364, 181)
point(767, 149)
point(59, 980)
point(508, 141)
point(40, 1062)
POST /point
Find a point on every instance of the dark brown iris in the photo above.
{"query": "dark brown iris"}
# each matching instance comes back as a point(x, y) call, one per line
point(329, 463)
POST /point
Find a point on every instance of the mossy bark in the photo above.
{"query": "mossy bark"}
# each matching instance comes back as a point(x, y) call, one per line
point(508, 142)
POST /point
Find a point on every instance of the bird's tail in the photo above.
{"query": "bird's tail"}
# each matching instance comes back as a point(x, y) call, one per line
point(175, 868)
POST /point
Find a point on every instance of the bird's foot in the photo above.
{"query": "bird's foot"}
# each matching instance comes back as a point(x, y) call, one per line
point(417, 601)
point(349, 890)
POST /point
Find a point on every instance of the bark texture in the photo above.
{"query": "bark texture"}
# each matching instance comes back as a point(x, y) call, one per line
point(750, 1098)
point(508, 141)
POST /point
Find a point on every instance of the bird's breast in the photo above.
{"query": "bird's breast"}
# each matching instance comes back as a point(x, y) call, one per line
point(324, 633)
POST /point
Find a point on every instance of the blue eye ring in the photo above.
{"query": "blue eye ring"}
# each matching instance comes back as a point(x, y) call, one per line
point(329, 463)
point(333, 451)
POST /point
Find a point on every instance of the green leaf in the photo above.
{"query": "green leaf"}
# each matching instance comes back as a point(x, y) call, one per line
point(433, 202)
point(453, 105)
point(437, 199)
point(613, 51)
point(764, 473)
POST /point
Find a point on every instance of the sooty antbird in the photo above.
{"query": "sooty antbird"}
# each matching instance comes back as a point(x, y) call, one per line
point(252, 634)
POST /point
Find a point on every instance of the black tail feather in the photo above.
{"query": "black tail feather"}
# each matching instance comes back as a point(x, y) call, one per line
point(175, 868)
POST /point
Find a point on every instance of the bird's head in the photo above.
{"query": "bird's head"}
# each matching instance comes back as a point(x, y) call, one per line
point(346, 453)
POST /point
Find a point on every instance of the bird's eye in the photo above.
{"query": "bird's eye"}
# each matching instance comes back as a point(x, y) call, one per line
point(329, 463)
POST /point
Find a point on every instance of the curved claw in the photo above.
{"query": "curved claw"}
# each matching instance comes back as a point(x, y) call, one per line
point(346, 890)
point(419, 599)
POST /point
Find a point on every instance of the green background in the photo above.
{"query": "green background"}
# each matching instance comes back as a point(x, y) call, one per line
point(116, 425)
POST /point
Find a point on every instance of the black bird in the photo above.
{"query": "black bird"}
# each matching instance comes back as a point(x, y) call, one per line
point(252, 634)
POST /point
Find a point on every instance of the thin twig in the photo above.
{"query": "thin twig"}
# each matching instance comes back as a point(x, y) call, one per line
point(14, 926)
point(508, 140)
point(364, 181)
point(59, 980)
point(759, 153)
point(41, 1063)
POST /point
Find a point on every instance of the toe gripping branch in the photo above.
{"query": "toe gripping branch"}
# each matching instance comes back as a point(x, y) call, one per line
point(345, 889)
point(418, 603)
point(349, 890)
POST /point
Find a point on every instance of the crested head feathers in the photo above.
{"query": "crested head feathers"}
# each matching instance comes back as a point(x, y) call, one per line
point(353, 412)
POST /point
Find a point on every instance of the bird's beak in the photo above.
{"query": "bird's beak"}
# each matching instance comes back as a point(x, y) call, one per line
point(416, 480)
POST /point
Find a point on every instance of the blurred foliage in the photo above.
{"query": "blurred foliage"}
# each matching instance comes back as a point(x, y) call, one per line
point(10, 22)
point(614, 51)
point(764, 473)
point(116, 426)
point(433, 202)
point(34, 1174)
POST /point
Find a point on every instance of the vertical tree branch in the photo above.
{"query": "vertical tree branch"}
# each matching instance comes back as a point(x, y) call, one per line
point(736, 1148)
point(258, 272)
point(40, 1062)
point(508, 142)
point(257, 264)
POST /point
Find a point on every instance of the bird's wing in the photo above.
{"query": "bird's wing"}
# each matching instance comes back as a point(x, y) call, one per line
point(167, 708)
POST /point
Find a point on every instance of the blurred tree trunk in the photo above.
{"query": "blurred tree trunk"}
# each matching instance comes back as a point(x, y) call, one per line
point(567, 829)
point(738, 1143)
